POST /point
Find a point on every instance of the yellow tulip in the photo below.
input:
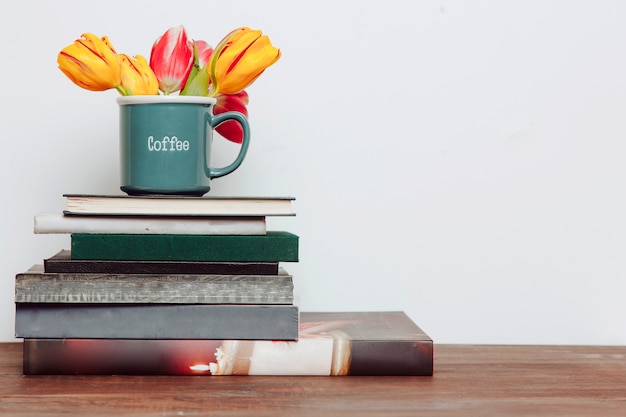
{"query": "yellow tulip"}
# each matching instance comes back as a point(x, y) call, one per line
point(239, 59)
point(91, 63)
point(137, 77)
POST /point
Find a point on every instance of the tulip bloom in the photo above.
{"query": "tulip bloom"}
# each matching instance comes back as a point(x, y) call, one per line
point(239, 59)
point(91, 63)
point(137, 76)
point(231, 130)
point(203, 51)
point(171, 59)
point(198, 81)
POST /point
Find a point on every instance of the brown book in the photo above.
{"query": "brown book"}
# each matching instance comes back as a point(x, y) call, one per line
point(332, 344)
point(62, 262)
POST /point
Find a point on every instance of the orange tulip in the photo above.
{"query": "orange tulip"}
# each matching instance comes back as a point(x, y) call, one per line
point(137, 76)
point(239, 59)
point(91, 63)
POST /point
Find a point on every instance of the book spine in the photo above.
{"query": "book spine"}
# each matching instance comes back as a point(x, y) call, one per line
point(50, 223)
point(271, 247)
point(306, 357)
point(37, 287)
point(156, 321)
point(62, 263)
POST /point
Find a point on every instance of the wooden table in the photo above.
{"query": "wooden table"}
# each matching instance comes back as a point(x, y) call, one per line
point(469, 381)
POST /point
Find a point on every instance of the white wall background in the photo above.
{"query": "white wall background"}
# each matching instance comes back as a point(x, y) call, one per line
point(462, 161)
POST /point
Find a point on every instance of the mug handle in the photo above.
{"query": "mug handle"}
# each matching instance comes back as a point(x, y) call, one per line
point(215, 120)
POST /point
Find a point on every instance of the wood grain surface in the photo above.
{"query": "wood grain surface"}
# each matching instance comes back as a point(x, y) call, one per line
point(469, 380)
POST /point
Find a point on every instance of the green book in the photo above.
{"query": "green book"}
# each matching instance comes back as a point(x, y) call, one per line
point(274, 246)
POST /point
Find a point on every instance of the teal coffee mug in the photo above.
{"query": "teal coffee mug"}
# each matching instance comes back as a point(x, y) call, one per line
point(165, 144)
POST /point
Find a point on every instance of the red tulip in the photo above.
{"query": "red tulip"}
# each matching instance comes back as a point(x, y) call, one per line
point(171, 59)
point(204, 51)
point(198, 81)
point(231, 130)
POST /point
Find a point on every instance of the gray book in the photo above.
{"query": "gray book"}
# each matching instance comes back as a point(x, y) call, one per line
point(35, 286)
point(156, 321)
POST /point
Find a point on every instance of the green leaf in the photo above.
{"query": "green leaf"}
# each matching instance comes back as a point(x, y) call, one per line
point(198, 85)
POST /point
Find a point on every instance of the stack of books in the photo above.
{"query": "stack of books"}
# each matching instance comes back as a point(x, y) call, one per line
point(191, 285)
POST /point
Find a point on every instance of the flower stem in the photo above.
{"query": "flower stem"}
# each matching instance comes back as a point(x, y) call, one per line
point(121, 90)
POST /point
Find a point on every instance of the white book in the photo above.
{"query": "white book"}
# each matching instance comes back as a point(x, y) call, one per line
point(124, 205)
point(59, 223)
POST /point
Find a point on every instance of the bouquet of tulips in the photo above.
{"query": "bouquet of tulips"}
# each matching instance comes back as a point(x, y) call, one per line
point(177, 65)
